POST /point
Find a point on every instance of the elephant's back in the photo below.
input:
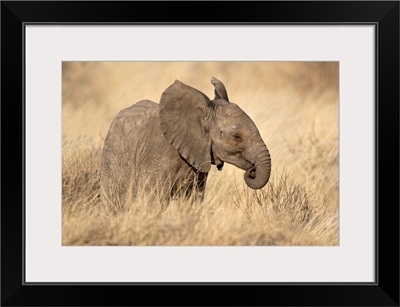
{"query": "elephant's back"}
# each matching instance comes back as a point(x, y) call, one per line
point(144, 109)
point(141, 106)
point(134, 117)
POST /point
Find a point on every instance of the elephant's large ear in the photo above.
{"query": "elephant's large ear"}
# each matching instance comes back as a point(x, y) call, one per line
point(183, 122)
point(220, 91)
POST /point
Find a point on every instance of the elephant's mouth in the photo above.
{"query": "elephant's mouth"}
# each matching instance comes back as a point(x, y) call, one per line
point(242, 164)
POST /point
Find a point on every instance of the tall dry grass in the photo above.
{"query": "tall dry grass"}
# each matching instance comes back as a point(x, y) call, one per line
point(295, 107)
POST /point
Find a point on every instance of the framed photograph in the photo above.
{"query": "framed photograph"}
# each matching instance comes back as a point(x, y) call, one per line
point(246, 146)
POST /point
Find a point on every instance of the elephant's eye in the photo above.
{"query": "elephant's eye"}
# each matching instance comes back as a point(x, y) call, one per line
point(237, 137)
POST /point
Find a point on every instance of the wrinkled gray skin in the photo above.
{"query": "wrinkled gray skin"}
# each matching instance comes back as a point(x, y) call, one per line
point(176, 142)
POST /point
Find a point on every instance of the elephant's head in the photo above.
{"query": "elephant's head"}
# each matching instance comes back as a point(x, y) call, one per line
point(206, 132)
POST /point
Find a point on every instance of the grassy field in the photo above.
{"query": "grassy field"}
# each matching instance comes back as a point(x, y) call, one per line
point(295, 107)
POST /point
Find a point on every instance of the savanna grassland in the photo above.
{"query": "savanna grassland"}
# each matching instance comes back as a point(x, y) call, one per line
point(293, 104)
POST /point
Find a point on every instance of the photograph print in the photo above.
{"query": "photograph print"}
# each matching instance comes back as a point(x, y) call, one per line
point(200, 153)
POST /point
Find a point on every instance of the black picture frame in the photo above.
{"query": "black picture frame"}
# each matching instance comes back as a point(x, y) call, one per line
point(384, 15)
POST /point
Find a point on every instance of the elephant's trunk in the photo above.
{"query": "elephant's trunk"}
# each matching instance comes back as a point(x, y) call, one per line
point(257, 176)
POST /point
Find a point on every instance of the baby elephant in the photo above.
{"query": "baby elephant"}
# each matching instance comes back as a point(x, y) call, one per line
point(171, 146)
